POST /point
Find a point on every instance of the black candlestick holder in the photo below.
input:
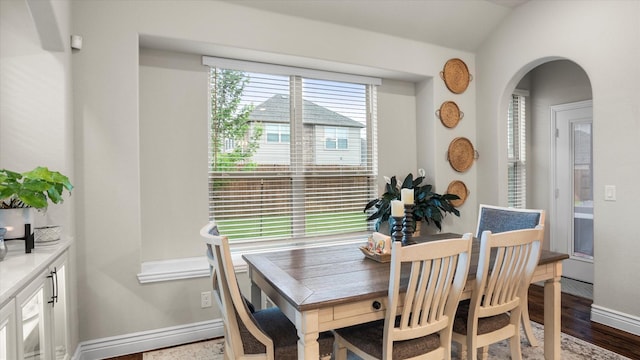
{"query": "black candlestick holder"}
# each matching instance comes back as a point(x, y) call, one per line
point(396, 232)
point(28, 238)
point(407, 226)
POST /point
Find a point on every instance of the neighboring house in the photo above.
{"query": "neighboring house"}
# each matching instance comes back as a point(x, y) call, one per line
point(329, 138)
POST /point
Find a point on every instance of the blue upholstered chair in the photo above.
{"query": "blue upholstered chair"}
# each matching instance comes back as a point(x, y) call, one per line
point(499, 219)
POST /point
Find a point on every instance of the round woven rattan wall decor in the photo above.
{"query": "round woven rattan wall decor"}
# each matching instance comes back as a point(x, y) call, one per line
point(461, 154)
point(456, 76)
point(449, 114)
point(457, 187)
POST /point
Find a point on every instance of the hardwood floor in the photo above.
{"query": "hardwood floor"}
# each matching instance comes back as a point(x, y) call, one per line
point(575, 320)
point(576, 314)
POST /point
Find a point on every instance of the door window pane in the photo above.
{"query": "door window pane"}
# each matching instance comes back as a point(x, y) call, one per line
point(583, 191)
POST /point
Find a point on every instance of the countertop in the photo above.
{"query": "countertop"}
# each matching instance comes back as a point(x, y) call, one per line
point(18, 269)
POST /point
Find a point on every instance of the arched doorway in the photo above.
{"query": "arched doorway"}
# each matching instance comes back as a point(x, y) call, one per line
point(548, 165)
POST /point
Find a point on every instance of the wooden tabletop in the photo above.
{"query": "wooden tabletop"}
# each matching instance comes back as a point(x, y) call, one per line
point(312, 278)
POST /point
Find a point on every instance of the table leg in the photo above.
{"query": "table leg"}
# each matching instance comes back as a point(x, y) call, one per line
point(552, 307)
point(256, 293)
point(307, 326)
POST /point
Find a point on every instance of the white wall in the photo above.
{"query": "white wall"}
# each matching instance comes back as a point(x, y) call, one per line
point(120, 219)
point(602, 37)
point(36, 127)
point(173, 153)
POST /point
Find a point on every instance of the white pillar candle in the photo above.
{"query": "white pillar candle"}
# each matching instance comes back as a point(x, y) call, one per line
point(407, 196)
point(397, 208)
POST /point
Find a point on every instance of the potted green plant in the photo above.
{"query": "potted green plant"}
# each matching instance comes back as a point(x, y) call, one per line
point(19, 192)
point(429, 206)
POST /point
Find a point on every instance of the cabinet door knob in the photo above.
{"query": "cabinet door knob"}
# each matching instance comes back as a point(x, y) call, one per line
point(377, 305)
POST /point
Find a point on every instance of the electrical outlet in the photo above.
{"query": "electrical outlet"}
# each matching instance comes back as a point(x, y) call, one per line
point(205, 299)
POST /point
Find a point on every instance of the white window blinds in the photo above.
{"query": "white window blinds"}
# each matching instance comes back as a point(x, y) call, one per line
point(516, 149)
point(285, 178)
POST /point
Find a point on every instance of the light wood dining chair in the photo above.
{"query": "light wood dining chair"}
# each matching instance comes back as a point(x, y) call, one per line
point(421, 304)
point(493, 314)
point(499, 219)
point(265, 334)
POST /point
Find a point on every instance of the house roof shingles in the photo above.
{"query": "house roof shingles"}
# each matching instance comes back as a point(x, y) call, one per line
point(276, 110)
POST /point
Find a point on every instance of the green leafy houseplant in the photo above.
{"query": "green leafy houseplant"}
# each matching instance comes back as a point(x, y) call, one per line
point(429, 206)
point(33, 188)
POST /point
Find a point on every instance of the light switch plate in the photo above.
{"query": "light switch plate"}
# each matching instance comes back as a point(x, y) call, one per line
point(610, 192)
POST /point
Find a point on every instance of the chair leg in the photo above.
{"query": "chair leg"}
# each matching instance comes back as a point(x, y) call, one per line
point(526, 325)
point(227, 351)
point(471, 349)
point(463, 352)
point(514, 345)
point(339, 350)
point(528, 330)
point(485, 352)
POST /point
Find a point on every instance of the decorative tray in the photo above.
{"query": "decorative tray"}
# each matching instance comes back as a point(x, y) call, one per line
point(461, 154)
point(456, 76)
point(382, 258)
point(459, 188)
point(449, 114)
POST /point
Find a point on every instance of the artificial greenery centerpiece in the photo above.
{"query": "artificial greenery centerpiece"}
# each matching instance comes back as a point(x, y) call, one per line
point(428, 206)
point(33, 188)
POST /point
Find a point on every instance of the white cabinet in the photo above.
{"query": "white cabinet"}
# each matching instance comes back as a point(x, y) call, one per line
point(60, 311)
point(34, 320)
point(8, 331)
point(31, 325)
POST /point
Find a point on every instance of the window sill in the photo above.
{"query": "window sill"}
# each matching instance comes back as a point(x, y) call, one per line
point(198, 267)
point(179, 269)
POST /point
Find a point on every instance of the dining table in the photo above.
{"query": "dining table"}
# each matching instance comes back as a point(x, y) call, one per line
point(323, 288)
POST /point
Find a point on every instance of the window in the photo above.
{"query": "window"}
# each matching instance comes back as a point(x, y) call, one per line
point(336, 138)
point(516, 149)
point(277, 133)
point(284, 178)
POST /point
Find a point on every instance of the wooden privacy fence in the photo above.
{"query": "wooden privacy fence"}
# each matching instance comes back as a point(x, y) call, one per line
point(323, 188)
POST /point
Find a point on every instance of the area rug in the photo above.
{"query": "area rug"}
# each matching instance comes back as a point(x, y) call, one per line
point(572, 349)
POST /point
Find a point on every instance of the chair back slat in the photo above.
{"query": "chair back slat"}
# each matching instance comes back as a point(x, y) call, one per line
point(438, 272)
point(500, 283)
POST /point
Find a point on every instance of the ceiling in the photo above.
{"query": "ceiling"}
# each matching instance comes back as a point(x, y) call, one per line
point(457, 24)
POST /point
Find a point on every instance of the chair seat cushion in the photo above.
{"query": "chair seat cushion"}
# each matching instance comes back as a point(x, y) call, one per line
point(485, 325)
point(369, 337)
point(283, 334)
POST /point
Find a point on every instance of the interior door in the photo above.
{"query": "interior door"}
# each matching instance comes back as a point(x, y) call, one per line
point(572, 223)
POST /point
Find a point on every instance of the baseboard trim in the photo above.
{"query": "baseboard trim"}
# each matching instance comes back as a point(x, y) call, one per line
point(615, 319)
point(148, 340)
